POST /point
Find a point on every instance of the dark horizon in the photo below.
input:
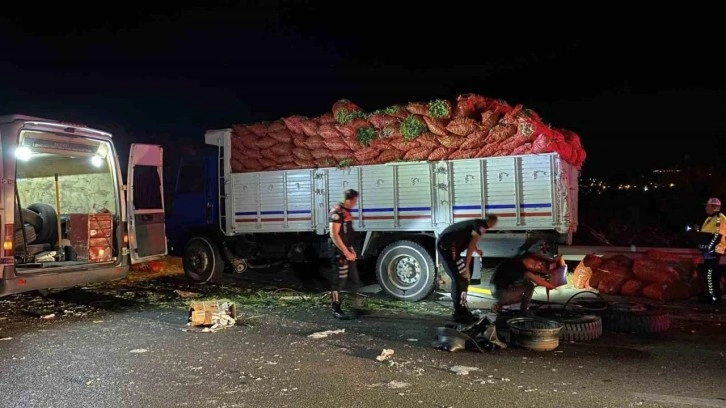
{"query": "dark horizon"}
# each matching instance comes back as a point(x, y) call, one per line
point(638, 101)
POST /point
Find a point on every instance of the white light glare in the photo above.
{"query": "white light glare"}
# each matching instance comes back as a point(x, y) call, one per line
point(23, 153)
point(97, 161)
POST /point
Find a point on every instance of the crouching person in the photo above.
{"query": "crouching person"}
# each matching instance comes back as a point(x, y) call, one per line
point(514, 281)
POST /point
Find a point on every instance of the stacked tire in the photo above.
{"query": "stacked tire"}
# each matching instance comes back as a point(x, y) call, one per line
point(36, 228)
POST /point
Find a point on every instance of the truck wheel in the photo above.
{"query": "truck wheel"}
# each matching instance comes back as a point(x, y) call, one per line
point(577, 327)
point(49, 233)
point(635, 318)
point(202, 261)
point(406, 271)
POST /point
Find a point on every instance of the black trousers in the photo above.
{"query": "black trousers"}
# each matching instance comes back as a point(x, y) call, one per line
point(452, 262)
point(346, 272)
point(711, 272)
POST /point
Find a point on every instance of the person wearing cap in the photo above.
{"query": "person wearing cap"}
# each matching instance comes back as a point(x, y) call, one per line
point(342, 238)
point(713, 249)
point(457, 237)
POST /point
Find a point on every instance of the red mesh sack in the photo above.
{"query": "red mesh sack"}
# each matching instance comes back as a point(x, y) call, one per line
point(451, 142)
point(652, 271)
point(343, 107)
point(300, 141)
point(315, 142)
point(489, 119)
point(276, 126)
point(542, 144)
point(326, 119)
point(581, 276)
point(511, 116)
point(294, 123)
point(391, 132)
point(309, 127)
point(488, 150)
point(265, 143)
point(523, 149)
point(258, 128)
point(501, 132)
point(302, 154)
point(281, 136)
point(514, 142)
point(388, 156)
point(417, 108)
point(328, 132)
point(399, 112)
point(462, 126)
point(380, 144)
point(266, 163)
point(439, 153)
point(632, 288)
point(611, 284)
point(418, 153)
point(351, 142)
point(336, 144)
point(343, 154)
point(502, 152)
point(367, 155)
point(402, 145)
point(592, 261)
point(237, 165)
point(657, 291)
point(250, 142)
point(252, 153)
point(463, 154)
point(435, 126)
point(268, 154)
point(473, 102)
point(619, 265)
point(351, 128)
point(379, 121)
point(281, 149)
point(428, 139)
point(321, 153)
point(304, 164)
point(284, 158)
point(476, 140)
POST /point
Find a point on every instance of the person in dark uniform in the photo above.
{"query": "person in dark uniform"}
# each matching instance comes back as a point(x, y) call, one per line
point(456, 238)
point(342, 237)
point(714, 230)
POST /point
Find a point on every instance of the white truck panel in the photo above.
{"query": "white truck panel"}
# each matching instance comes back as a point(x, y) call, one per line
point(530, 192)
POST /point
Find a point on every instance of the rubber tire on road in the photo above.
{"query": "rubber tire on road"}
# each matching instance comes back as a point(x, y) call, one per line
point(425, 285)
point(213, 267)
point(49, 233)
point(577, 327)
point(648, 321)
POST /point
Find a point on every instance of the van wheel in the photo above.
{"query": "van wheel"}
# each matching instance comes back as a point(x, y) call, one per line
point(49, 233)
point(202, 261)
point(406, 271)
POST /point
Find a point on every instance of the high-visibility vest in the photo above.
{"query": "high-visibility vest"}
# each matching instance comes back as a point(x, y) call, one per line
point(716, 224)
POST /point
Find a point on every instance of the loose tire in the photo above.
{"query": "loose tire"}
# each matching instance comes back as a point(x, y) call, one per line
point(635, 318)
point(202, 261)
point(49, 231)
point(29, 237)
point(406, 271)
point(577, 327)
point(32, 218)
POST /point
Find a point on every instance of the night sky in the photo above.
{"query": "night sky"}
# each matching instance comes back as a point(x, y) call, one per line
point(643, 91)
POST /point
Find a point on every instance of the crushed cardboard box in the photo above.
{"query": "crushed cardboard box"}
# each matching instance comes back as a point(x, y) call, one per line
point(214, 314)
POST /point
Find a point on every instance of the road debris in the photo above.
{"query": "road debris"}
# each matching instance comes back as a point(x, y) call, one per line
point(398, 384)
point(138, 351)
point(462, 370)
point(385, 355)
point(324, 334)
point(5, 338)
point(214, 314)
point(48, 316)
point(186, 294)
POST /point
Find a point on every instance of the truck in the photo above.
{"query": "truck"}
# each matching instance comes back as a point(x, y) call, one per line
point(68, 217)
point(225, 221)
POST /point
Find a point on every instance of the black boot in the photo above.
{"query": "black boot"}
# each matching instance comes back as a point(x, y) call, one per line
point(463, 315)
point(338, 313)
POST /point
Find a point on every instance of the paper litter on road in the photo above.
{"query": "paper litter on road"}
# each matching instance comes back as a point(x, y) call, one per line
point(138, 351)
point(385, 355)
point(5, 338)
point(324, 334)
point(463, 370)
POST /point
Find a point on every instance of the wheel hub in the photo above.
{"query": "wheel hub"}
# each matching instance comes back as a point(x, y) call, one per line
point(405, 271)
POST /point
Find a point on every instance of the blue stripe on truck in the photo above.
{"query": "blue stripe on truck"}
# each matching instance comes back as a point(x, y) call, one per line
point(243, 213)
point(502, 206)
point(355, 210)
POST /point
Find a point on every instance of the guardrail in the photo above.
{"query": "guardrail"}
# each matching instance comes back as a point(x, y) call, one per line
point(577, 252)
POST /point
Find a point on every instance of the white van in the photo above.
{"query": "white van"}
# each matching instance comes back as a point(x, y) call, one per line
point(67, 220)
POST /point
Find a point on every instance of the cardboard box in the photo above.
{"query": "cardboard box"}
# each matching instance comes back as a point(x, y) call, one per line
point(202, 312)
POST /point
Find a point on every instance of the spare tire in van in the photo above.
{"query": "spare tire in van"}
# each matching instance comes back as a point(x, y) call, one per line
point(49, 231)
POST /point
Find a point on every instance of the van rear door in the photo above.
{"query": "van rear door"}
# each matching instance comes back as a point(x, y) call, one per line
point(145, 203)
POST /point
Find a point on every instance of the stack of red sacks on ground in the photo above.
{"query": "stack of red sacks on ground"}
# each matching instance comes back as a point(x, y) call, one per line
point(472, 126)
point(657, 275)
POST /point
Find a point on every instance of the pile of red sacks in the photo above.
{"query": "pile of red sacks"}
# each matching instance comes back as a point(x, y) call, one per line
point(472, 126)
point(657, 275)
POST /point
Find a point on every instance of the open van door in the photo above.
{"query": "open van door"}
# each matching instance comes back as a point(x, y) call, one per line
point(145, 203)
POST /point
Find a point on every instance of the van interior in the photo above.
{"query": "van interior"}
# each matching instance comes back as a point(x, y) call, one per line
point(66, 201)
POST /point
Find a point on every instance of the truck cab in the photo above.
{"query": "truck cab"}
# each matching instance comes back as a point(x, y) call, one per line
point(68, 217)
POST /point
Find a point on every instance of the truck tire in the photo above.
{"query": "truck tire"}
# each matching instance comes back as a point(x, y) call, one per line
point(406, 271)
point(577, 327)
point(49, 232)
point(32, 218)
point(635, 318)
point(202, 260)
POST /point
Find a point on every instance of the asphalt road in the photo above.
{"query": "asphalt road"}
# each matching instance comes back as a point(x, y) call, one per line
point(123, 345)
